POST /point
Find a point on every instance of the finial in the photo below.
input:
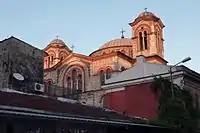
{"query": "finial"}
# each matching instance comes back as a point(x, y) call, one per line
point(72, 47)
point(122, 31)
point(145, 9)
point(57, 37)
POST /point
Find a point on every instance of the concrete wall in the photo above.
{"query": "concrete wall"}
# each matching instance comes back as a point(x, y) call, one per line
point(17, 56)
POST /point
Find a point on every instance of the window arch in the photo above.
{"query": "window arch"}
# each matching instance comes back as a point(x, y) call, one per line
point(74, 80)
point(143, 40)
point(123, 68)
point(102, 77)
point(108, 73)
point(158, 41)
point(62, 55)
point(48, 84)
point(51, 58)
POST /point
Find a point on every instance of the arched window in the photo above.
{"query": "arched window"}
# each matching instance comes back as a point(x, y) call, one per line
point(158, 40)
point(145, 40)
point(74, 78)
point(61, 58)
point(102, 77)
point(48, 61)
point(75, 81)
point(141, 41)
point(69, 85)
point(51, 60)
point(123, 68)
point(62, 55)
point(79, 83)
point(108, 73)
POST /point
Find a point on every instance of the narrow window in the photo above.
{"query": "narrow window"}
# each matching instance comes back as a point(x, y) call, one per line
point(74, 81)
point(79, 83)
point(49, 61)
point(123, 68)
point(141, 41)
point(158, 39)
point(108, 73)
point(102, 77)
point(145, 40)
point(69, 86)
point(52, 60)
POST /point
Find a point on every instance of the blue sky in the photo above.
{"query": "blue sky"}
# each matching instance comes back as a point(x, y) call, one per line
point(89, 24)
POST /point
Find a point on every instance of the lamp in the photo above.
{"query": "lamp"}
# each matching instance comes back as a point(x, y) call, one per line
point(171, 79)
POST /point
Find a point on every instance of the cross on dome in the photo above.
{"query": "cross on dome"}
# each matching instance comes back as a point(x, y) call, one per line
point(57, 37)
point(72, 47)
point(122, 31)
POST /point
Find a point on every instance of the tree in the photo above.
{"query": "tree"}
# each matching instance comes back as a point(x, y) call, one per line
point(177, 111)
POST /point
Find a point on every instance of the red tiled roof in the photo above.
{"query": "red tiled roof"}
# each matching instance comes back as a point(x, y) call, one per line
point(53, 105)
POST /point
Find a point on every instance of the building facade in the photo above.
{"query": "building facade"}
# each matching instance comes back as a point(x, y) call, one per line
point(74, 73)
point(21, 65)
point(134, 94)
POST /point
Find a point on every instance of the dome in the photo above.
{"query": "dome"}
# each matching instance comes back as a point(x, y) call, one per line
point(145, 13)
point(57, 42)
point(118, 43)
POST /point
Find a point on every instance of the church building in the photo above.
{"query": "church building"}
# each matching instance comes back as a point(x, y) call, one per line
point(69, 73)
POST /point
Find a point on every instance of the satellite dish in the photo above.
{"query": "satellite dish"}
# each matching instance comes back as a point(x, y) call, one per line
point(18, 76)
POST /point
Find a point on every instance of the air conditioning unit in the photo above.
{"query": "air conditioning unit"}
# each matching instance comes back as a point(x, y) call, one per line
point(39, 87)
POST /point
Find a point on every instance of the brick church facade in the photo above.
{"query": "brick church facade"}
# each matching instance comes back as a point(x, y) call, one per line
point(118, 75)
point(82, 75)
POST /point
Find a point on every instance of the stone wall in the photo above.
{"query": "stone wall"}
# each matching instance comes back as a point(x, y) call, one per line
point(19, 57)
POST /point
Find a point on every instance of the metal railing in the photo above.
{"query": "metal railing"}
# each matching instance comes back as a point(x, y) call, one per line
point(57, 91)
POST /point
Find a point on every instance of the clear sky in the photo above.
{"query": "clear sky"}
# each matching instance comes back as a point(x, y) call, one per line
point(88, 24)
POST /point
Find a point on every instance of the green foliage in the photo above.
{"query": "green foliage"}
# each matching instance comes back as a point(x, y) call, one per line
point(177, 111)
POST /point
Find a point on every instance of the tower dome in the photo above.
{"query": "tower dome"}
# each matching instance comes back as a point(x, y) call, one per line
point(120, 42)
point(145, 13)
point(57, 42)
point(123, 45)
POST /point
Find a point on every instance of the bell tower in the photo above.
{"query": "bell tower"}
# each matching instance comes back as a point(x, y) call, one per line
point(147, 32)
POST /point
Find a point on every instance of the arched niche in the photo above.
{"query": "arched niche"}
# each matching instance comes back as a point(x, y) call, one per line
point(74, 79)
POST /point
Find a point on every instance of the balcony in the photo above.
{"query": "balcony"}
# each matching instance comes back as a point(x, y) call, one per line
point(57, 91)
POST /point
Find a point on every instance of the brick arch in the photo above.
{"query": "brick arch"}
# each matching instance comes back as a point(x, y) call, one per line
point(49, 80)
point(52, 51)
point(47, 84)
point(108, 67)
point(108, 71)
point(48, 59)
point(146, 26)
point(100, 69)
point(75, 66)
point(62, 54)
